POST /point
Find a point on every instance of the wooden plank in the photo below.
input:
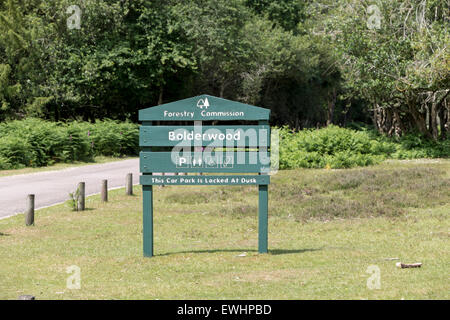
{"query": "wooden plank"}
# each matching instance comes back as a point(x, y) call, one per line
point(205, 180)
point(263, 215)
point(202, 108)
point(263, 210)
point(214, 136)
point(147, 220)
point(224, 162)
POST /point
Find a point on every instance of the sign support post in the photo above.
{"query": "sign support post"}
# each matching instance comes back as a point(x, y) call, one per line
point(263, 218)
point(263, 209)
point(147, 231)
point(147, 215)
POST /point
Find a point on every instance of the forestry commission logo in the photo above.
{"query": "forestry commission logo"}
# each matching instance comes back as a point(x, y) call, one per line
point(203, 103)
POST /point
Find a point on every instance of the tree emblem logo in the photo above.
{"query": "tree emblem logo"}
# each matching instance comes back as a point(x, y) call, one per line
point(203, 103)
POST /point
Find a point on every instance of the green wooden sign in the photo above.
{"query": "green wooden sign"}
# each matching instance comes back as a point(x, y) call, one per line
point(239, 153)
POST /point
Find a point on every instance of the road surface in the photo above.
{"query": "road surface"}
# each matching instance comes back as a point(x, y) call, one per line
point(52, 187)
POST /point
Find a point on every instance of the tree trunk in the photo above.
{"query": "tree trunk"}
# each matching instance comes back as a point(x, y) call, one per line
point(331, 106)
point(160, 98)
point(380, 116)
point(419, 119)
point(443, 114)
point(389, 123)
point(346, 113)
point(222, 89)
point(433, 122)
point(398, 126)
point(375, 116)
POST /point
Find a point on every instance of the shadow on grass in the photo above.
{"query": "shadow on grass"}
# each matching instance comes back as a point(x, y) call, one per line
point(272, 252)
point(3, 234)
point(291, 251)
point(85, 209)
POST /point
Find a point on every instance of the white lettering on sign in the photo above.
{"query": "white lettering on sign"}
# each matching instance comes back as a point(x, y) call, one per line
point(209, 162)
point(203, 180)
point(203, 113)
point(182, 114)
point(189, 136)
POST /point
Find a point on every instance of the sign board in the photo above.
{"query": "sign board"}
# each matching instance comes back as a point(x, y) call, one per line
point(240, 154)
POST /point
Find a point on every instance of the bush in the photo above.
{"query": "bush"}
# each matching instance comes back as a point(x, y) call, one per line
point(112, 138)
point(17, 152)
point(35, 142)
point(415, 146)
point(5, 163)
point(335, 147)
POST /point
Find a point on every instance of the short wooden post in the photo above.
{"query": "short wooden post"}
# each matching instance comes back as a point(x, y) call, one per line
point(81, 196)
point(129, 184)
point(29, 214)
point(104, 190)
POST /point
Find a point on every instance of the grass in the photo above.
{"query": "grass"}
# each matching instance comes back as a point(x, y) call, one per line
point(326, 227)
point(60, 166)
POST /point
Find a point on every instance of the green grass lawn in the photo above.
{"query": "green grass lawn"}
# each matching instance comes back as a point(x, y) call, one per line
point(326, 227)
point(60, 166)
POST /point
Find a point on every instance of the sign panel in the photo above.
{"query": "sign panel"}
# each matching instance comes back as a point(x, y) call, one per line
point(203, 108)
point(226, 162)
point(205, 180)
point(216, 136)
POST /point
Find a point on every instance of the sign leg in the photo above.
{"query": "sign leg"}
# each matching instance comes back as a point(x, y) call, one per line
point(263, 209)
point(147, 232)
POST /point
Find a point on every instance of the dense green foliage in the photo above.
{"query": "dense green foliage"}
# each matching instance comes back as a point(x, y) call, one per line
point(335, 147)
point(312, 62)
point(394, 56)
point(35, 143)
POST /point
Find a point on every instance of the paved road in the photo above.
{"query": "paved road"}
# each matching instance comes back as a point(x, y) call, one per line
point(52, 187)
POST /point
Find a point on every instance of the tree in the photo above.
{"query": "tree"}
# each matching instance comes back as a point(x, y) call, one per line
point(400, 66)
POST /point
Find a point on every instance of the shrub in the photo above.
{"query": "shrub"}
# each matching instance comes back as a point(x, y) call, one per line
point(111, 138)
point(5, 163)
point(35, 142)
point(17, 151)
point(336, 147)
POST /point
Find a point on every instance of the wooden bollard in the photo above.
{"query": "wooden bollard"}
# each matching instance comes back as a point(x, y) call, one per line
point(81, 196)
point(104, 190)
point(29, 214)
point(129, 184)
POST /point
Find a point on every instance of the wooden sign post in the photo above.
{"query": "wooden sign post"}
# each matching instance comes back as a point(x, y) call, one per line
point(236, 151)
